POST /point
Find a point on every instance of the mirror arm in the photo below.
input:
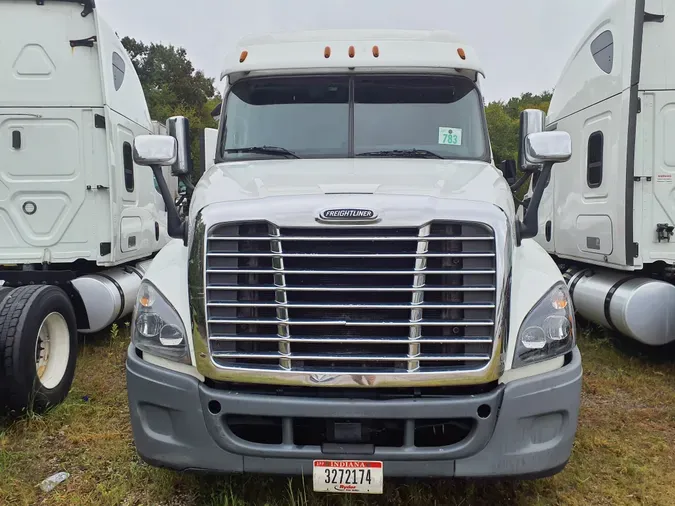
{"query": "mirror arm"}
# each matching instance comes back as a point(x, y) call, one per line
point(529, 227)
point(517, 185)
point(175, 227)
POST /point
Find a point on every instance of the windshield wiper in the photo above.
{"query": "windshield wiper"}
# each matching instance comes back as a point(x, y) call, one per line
point(264, 150)
point(403, 153)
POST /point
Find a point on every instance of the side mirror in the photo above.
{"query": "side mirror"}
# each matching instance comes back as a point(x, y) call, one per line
point(532, 121)
point(178, 127)
point(508, 169)
point(546, 147)
point(157, 151)
point(151, 150)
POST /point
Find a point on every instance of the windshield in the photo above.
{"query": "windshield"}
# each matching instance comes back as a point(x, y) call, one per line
point(343, 116)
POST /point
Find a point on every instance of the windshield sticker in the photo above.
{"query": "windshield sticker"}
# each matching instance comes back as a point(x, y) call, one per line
point(450, 136)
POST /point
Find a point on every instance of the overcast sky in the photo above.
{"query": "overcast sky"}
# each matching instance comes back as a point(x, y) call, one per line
point(523, 44)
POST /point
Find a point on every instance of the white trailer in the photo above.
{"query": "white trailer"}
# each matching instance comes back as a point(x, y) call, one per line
point(78, 218)
point(608, 214)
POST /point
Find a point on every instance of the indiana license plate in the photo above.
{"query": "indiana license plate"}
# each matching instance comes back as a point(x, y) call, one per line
point(348, 476)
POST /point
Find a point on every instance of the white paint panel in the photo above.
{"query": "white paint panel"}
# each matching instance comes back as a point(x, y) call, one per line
point(657, 71)
point(582, 82)
point(42, 184)
point(573, 196)
point(658, 195)
point(38, 67)
point(128, 100)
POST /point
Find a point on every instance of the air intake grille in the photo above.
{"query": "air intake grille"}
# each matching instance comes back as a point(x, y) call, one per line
point(351, 300)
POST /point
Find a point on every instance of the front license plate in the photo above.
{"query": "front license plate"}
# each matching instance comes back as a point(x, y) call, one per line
point(348, 476)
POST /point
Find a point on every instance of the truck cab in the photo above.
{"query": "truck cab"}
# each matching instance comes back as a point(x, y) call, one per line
point(352, 288)
point(608, 213)
point(78, 219)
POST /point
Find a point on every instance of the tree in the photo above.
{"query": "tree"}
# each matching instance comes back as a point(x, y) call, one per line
point(504, 122)
point(504, 125)
point(173, 87)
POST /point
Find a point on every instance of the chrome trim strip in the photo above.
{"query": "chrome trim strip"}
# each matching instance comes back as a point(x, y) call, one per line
point(419, 280)
point(281, 299)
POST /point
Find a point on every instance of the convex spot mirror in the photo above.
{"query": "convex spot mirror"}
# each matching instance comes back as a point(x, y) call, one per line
point(548, 147)
point(155, 150)
point(532, 121)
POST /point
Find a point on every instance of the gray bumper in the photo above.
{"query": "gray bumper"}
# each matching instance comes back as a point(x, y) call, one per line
point(529, 432)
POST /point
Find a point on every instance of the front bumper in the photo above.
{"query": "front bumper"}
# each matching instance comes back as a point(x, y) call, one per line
point(528, 433)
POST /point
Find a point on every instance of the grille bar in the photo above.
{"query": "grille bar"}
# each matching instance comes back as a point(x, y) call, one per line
point(346, 273)
point(353, 358)
point(345, 323)
point(361, 340)
point(338, 255)
point(351, 239)
point(273, 288)
point(291, 305)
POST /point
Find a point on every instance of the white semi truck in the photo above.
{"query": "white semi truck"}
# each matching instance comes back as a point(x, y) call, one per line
point(78, 218)
point(352, 296)
point(608, 214)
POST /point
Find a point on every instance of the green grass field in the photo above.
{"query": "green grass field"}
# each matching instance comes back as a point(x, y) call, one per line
point(624, 453)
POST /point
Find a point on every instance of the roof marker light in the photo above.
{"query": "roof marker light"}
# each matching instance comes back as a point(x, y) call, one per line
point(461, 53)
point(326, 52)
point(352, 51)
point(243, 56)
point(376, 51)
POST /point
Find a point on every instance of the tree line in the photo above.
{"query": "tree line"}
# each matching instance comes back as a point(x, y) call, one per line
point(173, 86)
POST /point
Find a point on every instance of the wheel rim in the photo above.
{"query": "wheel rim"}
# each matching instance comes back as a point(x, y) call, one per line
point(52, 350)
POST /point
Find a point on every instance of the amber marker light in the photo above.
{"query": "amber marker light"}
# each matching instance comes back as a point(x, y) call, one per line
point(326, 52)
point(461, 53)
point(352, 51)
point(376, 51)
point(243, 56)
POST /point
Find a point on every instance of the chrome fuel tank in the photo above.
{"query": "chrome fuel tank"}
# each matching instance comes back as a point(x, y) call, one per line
point(639, 308)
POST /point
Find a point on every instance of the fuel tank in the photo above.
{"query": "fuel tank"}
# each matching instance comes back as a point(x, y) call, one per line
point(637, 307)
point(110, 295)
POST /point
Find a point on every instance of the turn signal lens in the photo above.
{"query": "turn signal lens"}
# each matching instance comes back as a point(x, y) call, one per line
point(559, 300)
point(352, 51)
point(326, 52)
point(243, 56)
point(461, 53)
point(376, 51)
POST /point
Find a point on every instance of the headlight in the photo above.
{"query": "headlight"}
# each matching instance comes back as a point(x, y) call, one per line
point(549, 330)
point(156, 327)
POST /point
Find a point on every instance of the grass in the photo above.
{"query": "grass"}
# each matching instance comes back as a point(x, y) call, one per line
point(622, 456)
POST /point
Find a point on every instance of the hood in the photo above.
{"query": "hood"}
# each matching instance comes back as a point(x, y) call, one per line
point(448, 179)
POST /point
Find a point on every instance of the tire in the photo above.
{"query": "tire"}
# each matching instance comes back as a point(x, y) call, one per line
point(38, 348)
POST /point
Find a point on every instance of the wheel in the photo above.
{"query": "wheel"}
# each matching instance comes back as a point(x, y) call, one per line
point(38, 347)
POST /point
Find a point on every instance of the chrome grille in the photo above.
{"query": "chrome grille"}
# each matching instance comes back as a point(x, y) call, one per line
point(351, 300)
